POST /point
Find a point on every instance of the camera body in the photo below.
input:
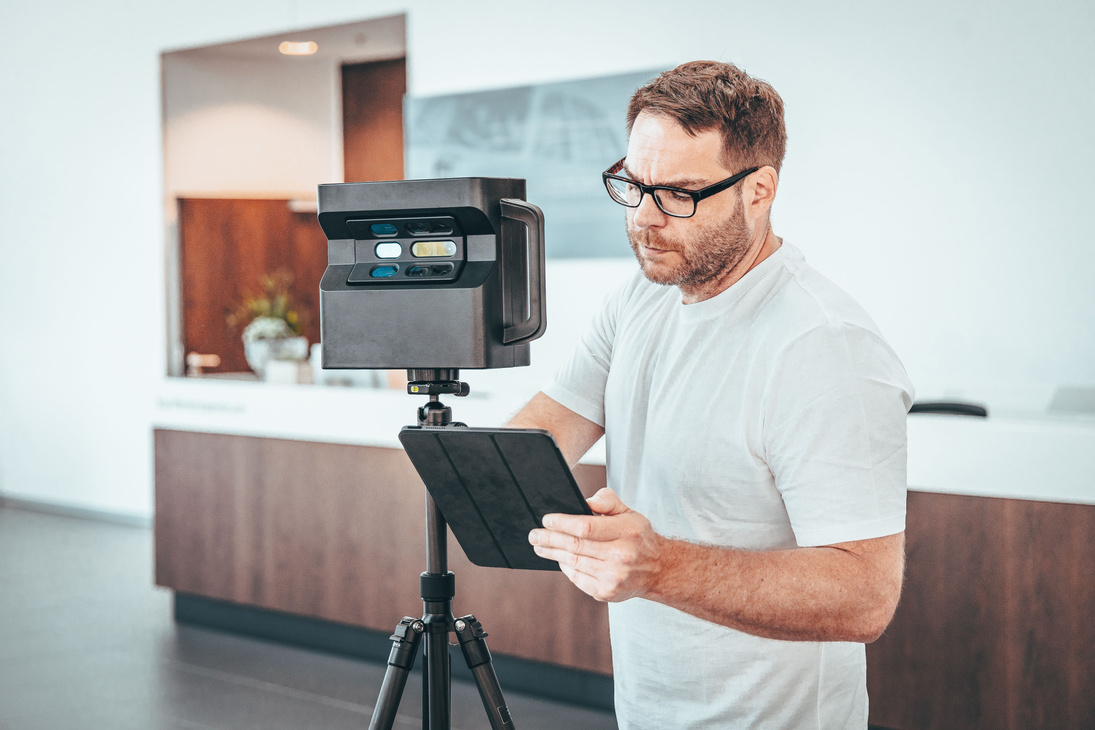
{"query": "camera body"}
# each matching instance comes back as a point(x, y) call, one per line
point(442, 273)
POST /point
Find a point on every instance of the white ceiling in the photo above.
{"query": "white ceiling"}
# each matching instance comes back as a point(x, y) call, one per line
point(368, 40)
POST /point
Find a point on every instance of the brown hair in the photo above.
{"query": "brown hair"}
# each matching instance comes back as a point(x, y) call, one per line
point(703, 95)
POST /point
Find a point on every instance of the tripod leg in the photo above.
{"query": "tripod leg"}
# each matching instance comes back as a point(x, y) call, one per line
point(404, 647)
point(436, 687)
point(471, 635)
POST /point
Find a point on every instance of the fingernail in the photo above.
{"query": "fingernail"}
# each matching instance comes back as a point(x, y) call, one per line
point(549, 522)
point(533, 538)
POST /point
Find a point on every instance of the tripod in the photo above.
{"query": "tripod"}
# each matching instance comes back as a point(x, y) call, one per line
point(438, 586)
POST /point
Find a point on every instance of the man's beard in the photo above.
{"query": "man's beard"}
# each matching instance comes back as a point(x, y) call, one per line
point(711, 252)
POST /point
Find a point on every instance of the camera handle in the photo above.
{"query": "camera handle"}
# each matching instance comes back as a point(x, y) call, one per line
point(438, 586)
point(533, 219)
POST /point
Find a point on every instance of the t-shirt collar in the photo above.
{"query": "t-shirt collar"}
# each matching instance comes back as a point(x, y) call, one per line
point(725, 299)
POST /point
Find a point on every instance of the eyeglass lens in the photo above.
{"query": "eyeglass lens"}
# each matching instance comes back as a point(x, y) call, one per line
point(671, 203)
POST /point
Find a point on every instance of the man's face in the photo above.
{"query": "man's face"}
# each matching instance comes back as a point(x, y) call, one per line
point(697, 253)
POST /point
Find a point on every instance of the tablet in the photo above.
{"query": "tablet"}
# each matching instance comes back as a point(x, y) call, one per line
point(494, 485)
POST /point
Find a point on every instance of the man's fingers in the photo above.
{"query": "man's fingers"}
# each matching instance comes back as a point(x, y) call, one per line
point(583, 571)
point(568, 542)
point(575, 567)
point(595, 528)
point(562, 557)
point(604, 503)
point(577, 525)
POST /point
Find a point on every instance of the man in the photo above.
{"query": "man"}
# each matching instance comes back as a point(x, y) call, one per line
point(752, 539)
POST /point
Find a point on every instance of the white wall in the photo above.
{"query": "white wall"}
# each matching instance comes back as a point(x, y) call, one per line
point(938, 163)
point(238, 126)
point(939, 168)
point(240, 119)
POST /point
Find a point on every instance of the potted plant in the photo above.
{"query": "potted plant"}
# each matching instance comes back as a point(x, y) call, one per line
point(271, 321)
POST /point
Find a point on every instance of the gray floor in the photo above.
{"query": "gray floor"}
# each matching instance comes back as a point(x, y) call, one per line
point(87, 642)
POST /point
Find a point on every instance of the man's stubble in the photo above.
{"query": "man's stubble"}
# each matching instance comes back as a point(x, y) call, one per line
point(711, 252)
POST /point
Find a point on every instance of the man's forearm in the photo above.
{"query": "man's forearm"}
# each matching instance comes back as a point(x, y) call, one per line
point(845, 592)
point(842, 592)
point(572, 432)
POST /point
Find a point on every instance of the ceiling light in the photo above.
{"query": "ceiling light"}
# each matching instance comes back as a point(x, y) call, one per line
point(298, 48)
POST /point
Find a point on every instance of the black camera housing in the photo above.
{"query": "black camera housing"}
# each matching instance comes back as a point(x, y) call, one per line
point(431, 274)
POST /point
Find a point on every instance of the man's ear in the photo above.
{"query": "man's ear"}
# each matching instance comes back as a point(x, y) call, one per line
point(760, 192)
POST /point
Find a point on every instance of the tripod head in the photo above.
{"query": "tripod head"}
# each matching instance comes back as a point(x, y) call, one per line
point(436, 382)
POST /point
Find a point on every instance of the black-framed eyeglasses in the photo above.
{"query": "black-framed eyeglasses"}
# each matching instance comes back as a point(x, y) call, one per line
point(675, 202)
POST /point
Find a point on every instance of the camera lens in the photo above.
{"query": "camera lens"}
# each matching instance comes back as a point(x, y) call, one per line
point(389, 250)
point(384, 272)
point(424, 228)
point(429, 249)
point(430, 270)
point(384, 229)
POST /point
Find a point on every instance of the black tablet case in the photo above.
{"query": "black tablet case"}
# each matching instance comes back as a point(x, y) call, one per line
point(494, 485)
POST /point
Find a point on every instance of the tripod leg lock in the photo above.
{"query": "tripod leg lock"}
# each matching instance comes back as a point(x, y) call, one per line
point(405, 642)
point(471, 634)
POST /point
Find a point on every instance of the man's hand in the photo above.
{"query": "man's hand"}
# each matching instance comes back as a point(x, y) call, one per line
point(612, 556)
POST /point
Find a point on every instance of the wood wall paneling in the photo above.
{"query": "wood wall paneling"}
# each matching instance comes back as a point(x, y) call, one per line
point(372, 120)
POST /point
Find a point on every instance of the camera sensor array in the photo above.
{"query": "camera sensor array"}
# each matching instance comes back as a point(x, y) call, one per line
point(397, 249)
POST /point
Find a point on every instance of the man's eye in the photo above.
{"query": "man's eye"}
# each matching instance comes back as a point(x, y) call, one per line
point(678, 196)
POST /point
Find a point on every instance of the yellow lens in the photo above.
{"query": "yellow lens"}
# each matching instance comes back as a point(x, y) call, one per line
point(430, 249)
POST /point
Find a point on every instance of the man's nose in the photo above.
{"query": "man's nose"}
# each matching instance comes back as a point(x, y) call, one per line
point(648, 214)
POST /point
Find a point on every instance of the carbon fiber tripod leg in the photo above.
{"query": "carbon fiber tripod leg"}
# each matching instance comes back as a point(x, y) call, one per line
point(471, 635)
point(400, 662)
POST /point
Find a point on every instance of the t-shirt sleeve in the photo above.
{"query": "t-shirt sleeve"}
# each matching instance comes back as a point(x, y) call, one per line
point(580, 383)
point(835, 439)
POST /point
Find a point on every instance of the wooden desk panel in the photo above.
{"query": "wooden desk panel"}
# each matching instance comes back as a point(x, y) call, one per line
point(338, 532)
point(996, 625)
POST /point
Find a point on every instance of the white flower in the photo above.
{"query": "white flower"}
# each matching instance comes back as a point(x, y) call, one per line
point(267, 328)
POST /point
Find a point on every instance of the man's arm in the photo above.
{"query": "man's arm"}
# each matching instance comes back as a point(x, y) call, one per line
point(575, 434)
point(843, 592)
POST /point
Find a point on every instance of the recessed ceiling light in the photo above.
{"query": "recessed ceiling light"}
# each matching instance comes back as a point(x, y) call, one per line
point(298, 48)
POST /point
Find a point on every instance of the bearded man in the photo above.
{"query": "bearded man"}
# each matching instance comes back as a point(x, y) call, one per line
point(751, 538)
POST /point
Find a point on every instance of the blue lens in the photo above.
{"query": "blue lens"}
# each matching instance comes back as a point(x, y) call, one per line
point(384, 229)
point(384, 272)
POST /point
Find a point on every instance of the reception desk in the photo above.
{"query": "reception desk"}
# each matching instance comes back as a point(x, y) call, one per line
point(298, 500)
point(337, 532)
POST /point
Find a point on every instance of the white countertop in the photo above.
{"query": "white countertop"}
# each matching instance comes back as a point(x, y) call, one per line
point(1019, 456)
point(363, 416)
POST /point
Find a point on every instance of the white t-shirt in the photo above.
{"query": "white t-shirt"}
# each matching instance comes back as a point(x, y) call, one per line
point(770, 416)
